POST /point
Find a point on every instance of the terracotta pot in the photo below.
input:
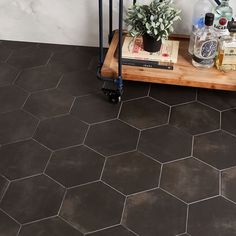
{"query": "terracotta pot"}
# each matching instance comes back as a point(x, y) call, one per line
point(150, 44)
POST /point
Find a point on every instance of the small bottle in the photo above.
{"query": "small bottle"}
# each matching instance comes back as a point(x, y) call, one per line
point(200, 9)
point(226, 59)
point(223, 14)
point(205, 45)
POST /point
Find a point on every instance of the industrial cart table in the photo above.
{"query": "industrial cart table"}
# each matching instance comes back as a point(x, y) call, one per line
point(184, 74)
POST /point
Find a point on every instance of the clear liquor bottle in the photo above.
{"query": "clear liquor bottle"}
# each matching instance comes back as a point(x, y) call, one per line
point(205, 46)
point(200, 9)
point(226, 59)
point(223, 14)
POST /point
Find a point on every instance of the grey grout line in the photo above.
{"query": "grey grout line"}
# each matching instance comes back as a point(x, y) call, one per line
point(17, 77)
point(139, 136)
point(49, 149)
point(26, 177)
point(100, 154)
point(108, 185)
point(192, 147)
point(220, 183)
point(99, 230)
point(143, 191)
point(123, 211)
point(187, 219)
point(205, 163)
point(62, 201)
point(184, 103)
point(203, 200)
point(234, 135)
point(177, 160)
point(103, 168)
point(5, 190)
point(49, 159)
point(129, 124)
point(186, 203)
point(204, 104)
point(81, 185)
point(102, 122)
point(134, 99)
point(221, 120)
point(86, 134)
point(59, 81)
point(163, 103)
point(72, 104)
point(160, 176)
point(228, 168)
point(54, 180)
point(152, 158)
point(9, 56)
point(69, 223)
point(16, 141)
point(229, 109)
point(226, 198)
point(18, 232)
point(120, 108)
point(169, 115)
point(10, 217)
point(39, 220)
point(130, 230)
point(149, 90)
point(49, 59)
point(208, 132)
point(121, 153)
point(196, 95)
point(35, 117)
point(154, 127)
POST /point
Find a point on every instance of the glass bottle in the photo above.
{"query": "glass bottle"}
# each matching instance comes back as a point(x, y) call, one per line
point(205, 46)
point(223, 14)
point(226, 59)
point(200, 9)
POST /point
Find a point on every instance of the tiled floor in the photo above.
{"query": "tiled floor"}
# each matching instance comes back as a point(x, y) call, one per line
point(161, 163)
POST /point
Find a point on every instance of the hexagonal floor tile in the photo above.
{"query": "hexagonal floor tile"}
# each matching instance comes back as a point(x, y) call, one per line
point(39, 78)
point(3, 186)
point(165, 143)
point(95, 108)
point(7, 74)
point(155, 213)
point(229, 183)
point(115, 231)
point(48, 103)
point(131, 172)
point(217, 149)
point(214, 216)
point(112, 137)
point(50, 227)
point(11, 98)
point(61, 132)
point(75, 166)
point(71, 60)
point(92, 207)
point(32, 199)
point(23, 159)
point(195, 118)
point(172, 95)
point(81, 82)
point(16, 125)
point(228, 121)
point(4, 53)
point(13, 45)
point(190, 180)
point(220, 100)
point(8, 226)
point(29, 57)
point(144, 113)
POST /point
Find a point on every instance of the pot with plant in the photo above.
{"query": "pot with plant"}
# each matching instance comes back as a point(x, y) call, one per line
point(154, 22)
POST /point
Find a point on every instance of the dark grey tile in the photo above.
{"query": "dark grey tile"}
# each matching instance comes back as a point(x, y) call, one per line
point(28, 57)
point(49, 227)
point(3, 186)
point(229, 183)
point(11, 98)
point(7, 74)
point(172, 95)
point(80, 82)
point(74, 166)
point(32, 199)
point(144, 113)
point(56, 48)
point(131, 172)
point(195, 118)
point(4, 53)
point(112, 137)
point(92, 207)
point(49, 103)
point(115, 231)
point(13, 45)
point(220, 100)
point(23, 159)
point(217, 149)
point(155, 213)
point(190, 180)
point(95, 108)
point(16, 125)
point(228, 121)
point(212, 217)
point(165, 143)
point(38, 78)
point(8, 226)
point(61, 132)
point(71, 60)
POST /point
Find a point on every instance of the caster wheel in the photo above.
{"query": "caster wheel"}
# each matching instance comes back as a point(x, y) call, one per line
point(114, 98)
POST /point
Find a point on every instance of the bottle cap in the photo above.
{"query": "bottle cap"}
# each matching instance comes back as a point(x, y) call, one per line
point(209, 19)
point(232, 26)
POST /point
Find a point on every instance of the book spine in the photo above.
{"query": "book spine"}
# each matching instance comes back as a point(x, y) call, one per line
point(147, 64)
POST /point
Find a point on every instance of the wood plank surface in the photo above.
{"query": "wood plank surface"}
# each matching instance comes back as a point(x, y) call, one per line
point(184, 73)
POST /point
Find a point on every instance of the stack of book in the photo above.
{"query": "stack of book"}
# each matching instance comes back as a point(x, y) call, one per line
point(134, 55)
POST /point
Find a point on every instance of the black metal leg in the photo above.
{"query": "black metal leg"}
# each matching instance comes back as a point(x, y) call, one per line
point(101, 56)
point(110, 20)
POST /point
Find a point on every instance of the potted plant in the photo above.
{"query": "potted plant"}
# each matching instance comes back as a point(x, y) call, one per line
point(154, 22)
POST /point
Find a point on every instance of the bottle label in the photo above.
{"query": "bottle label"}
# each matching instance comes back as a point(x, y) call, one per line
point(208, 49)
point(229, 56)
point(221, 25)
